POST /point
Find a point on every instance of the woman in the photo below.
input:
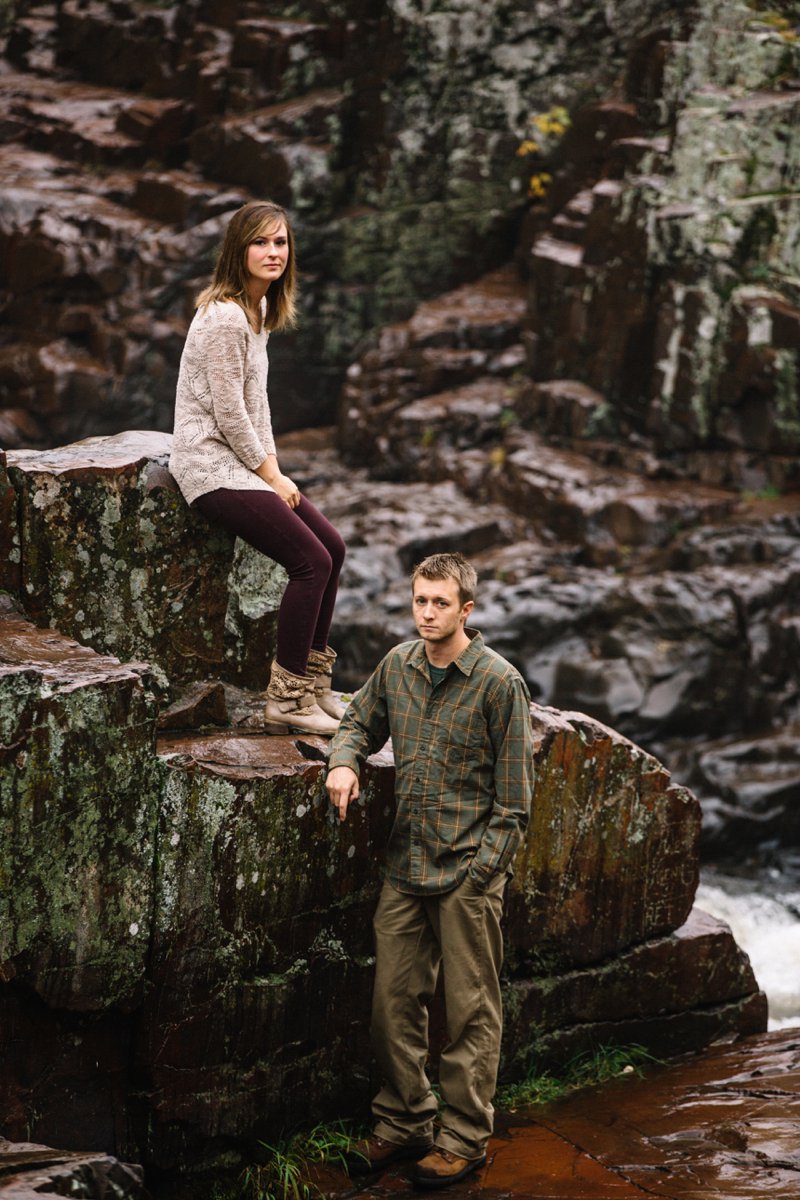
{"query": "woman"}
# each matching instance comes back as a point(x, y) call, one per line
point(224, 461)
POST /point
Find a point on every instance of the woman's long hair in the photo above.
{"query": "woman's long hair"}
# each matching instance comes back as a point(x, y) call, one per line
point(229, 281)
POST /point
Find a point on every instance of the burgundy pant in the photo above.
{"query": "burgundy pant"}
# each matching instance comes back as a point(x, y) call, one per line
point(303, 542)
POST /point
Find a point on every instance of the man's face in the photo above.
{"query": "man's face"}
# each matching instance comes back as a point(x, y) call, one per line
point(437, 608)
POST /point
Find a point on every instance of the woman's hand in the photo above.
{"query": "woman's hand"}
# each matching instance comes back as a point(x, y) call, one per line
point(287, 489)
point(281, 484)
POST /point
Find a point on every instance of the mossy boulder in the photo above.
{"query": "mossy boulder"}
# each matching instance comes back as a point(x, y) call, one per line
point(78, 808)
point(113, 556)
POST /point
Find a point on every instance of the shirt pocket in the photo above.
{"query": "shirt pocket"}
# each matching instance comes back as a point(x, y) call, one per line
point(462, 752)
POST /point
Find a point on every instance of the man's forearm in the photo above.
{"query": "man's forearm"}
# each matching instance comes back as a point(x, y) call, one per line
point(364, 727)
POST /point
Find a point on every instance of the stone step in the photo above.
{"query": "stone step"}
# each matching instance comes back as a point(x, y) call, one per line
point(212, 55)
point(100, 126)
point(449, 341)
point(70, 120)
point(576, 500)
point(648, 155)
point(581, 204)
point(568, 255)
point(282, 150)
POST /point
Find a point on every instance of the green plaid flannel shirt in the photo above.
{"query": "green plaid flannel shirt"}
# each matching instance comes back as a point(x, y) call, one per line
point(463, 754)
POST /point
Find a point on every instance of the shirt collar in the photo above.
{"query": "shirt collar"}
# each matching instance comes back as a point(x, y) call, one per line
point(465, 661)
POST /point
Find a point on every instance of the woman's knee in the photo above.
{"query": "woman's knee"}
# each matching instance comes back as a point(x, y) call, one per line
point(313, 567)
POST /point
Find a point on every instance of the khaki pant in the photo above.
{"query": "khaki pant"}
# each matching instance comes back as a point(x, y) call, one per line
point(414, 935)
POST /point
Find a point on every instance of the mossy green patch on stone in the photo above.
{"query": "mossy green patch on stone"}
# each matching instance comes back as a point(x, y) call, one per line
point(78, 817)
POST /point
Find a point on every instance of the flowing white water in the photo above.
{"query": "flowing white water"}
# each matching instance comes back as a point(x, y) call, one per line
point(765, 922)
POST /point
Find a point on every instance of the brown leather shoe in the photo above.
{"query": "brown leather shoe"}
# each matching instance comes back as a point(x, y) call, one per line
point(440, 1168)
point(375, 1154)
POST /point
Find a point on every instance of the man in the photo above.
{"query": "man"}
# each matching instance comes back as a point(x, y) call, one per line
point(459, 718)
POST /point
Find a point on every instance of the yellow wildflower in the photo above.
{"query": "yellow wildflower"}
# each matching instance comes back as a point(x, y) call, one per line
point(538, 185)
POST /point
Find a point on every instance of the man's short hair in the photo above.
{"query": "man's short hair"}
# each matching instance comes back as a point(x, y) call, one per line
point(449, 566)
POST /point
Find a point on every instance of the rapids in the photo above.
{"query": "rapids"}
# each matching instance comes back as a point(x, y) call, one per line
point(764, 916)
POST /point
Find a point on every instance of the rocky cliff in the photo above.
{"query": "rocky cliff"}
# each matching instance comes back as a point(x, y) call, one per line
point(614, 419)
point(133, 128)
point(185, 955)
point(602, 407)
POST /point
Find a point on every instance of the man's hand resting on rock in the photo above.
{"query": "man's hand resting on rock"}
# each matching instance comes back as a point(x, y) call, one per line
point(342, 785)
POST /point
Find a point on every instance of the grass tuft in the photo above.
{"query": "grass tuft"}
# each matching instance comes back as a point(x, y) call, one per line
point(585, 1070)
point(284, 1173)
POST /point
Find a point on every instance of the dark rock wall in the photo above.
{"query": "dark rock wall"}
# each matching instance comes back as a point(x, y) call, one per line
point(132, 128)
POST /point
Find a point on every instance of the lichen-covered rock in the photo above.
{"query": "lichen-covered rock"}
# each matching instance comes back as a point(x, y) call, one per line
point(261, 943)
point(605, 814)
point(665, 279)
point(78, 804)
point(113, 556)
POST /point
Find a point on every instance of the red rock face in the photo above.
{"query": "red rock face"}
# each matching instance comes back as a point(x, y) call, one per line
point(721, 1124)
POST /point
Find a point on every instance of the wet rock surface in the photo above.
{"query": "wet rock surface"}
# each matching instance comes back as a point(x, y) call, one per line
point(28, 1171)
point(608, 426)
point(722, 1124)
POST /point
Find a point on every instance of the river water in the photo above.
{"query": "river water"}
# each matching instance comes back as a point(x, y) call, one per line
point(763, 911)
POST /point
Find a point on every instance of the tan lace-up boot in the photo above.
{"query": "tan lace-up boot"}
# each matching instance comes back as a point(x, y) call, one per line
point(291, 705)
point(320, 668)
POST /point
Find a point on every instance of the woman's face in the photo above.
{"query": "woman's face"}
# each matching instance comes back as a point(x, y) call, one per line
point(268, 254)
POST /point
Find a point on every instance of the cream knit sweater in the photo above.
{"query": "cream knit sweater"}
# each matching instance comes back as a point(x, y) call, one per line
point(223, 429)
